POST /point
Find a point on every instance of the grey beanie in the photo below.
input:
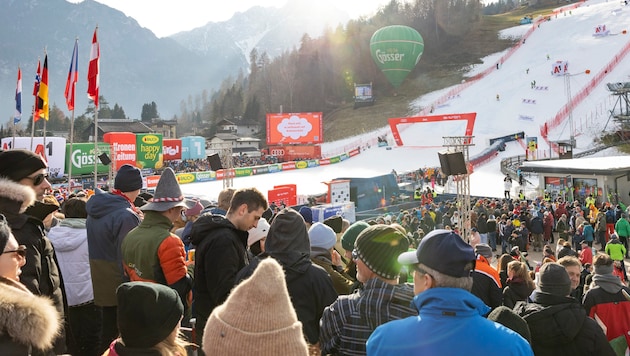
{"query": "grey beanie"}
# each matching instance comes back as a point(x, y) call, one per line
point(554, 280)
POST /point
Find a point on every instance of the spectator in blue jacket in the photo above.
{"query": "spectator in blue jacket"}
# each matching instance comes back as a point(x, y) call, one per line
point(450, 319)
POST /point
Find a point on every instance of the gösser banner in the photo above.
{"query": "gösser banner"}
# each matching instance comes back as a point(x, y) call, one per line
point(294, 128)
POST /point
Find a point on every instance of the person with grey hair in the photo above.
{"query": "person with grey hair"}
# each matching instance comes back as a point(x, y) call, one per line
point(558, 323)
point(443, 264)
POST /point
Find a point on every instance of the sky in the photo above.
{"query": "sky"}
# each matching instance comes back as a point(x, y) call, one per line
point(167, 17)
point(520, 108)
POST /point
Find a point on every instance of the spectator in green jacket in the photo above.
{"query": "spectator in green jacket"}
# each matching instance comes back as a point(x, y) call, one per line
point(616, 250)
point(622, 229)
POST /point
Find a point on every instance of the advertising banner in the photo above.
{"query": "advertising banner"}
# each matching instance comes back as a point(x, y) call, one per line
point(278, 195)
point(123, 148)
point(294, 128)
point(205, 176)
point(53, 151)
point(193, 147)
point(292, 199)
point(185, 178)
point(172, 149)
point(149, 151)
point(82, 158)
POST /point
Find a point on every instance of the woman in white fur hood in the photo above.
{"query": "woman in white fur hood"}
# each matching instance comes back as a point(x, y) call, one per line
point(28, 323)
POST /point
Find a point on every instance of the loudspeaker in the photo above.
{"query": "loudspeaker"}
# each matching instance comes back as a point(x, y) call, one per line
point(104, 158)
point(452, 163)
point(215, 162)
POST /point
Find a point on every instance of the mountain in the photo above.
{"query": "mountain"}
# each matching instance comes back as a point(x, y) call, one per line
point(270, 29)
point(137, 67)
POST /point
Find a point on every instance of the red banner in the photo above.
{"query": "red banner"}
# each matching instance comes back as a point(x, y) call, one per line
point(172, 149)
point(292, 199)
point(294, 128)
point(123, 147)
point(281, 194)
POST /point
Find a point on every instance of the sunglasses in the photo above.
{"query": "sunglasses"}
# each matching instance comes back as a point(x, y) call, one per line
point(39, 179)
point(21, 251)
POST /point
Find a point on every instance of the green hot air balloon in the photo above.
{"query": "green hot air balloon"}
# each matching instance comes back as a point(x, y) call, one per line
point(396, 50)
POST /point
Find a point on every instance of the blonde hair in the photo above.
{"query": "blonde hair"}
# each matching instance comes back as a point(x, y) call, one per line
point(521, 271)
point(173, 345)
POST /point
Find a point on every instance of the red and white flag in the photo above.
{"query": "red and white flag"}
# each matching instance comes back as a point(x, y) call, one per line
point(93, 70)
point(73, 77)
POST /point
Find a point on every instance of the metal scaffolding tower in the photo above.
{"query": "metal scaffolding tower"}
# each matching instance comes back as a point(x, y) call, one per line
point(228, 164)
point(461, 144)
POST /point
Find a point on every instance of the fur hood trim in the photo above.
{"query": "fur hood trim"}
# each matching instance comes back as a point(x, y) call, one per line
point(28, 319)
point(17, 192)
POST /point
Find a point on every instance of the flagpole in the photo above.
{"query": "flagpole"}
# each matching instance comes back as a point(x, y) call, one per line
point(13, 142)
point(95, 145)
point(93, 86)
point(73, 74)
point(33, 126)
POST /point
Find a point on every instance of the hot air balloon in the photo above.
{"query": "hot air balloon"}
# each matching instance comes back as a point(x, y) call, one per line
point(396, 50)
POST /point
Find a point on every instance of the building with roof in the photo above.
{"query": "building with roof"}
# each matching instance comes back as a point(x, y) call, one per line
point(606, 178)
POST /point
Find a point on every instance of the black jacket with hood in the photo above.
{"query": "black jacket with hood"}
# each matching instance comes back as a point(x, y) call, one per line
point(220, 252)
point(309, 285)
point(560, 326)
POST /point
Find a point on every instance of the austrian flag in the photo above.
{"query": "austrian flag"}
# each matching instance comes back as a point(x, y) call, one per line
point(93, 70)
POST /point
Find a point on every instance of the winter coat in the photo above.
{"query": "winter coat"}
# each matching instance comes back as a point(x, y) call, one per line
point(152, 253)
point(110, 218)
point(588, 234)
point(27, 321)
point(70, 241)
point(607, 301)
point(486, 283)
point(560, 326)
point(220, 252)
point(342, 282)
point(348, 322)
point(622, 227)
point(562, 227)
point(310, 287)
point(517, 290)
point(456, 320)
point(616, 250)
point(40, 274)
point(536, 225)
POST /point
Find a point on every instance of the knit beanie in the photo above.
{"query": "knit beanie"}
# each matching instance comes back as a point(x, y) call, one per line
point(259, 232)
point(554, 279)
point(378, 246)
point(128, 179)
point(195, 210)
point(322, 236)
point(147, 313)
point(335, 222)
point(19, 164)
point(257, 318)
point(350, 235)
point(307, 214)
point(508, 318)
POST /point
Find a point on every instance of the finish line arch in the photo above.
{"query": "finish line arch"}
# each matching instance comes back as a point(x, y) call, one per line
point(394, 122)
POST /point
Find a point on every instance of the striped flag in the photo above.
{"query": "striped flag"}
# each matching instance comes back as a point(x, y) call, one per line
point(42, 93)
point(38, 80)
point(18, 98)
point(73, 77)
point(93, 70)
